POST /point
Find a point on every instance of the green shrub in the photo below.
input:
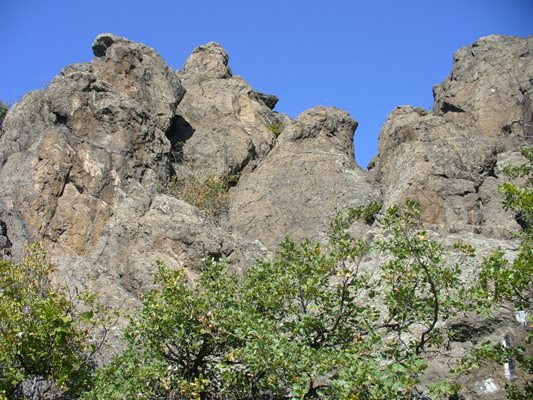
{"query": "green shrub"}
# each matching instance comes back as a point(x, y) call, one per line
point(304, 325)
point(509, 283)
point(276, 128)
point(3, 112)
point(45, 348)
point(317, 321)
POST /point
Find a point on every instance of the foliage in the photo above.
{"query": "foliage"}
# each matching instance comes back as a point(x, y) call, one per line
point(509, 283)
point(519, 198)
point(304, 325)
point(367, 213)
point(317, 321)
point(210, 195)
point(45, 348)
point(276, 128)
point(3, 111)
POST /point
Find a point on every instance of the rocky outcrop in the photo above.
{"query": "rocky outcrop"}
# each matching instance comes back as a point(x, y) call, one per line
point(450, 160)
point(70, 153)
point(490, 86)
point(84, 165)
point(307, 176)
point(224, 127)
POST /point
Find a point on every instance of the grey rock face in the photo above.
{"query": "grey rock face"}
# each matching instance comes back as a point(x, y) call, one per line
point(71, 152)
point(450, 171)
point(206, 62)
point(490, 86)
point(297, 187)
point(223, 125)
point(81, 167)
point(5, 244)
point(451, 161)
point(448, 160)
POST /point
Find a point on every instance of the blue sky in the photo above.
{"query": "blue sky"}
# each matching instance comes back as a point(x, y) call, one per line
point(366, 57)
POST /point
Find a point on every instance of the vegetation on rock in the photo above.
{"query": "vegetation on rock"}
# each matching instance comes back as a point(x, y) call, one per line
point(3, 111)
point(276, 128)
point(316, 321)
point(46, 348)
point(509, 284)
point(209, 194)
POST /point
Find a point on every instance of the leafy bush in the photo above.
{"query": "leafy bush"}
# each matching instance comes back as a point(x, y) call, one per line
point(319, 322)
point(276, 128)
point(45, 348)
point(509, 283)
point(306, 325)
point(49, 336)
point(3, 111)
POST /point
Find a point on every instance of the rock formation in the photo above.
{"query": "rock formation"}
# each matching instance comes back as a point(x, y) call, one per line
point(222, 125)
point(450, 159)
point(297, 187)
point(84, 164)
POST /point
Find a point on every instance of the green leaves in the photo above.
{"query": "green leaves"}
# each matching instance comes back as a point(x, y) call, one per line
point(4, 108)
point(508, 283)
point(345, 319)
point(40, 338)
point(518, 197)
point(314, 322)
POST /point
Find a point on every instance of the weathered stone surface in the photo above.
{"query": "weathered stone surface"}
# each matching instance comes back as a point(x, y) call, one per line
point(70, 152)
point(81, 166)
point(209, 61)
point(224, 127)
point(449, 160)
point(295, 190)
point(471, 330)
point(5, 243)
point(490, 86)
point(450, 171)
point(146, 228)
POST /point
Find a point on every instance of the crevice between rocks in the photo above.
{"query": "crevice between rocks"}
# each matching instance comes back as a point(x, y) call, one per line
point(179, 131)
point(449, 107)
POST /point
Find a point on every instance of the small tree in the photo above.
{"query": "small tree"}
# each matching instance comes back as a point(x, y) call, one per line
point(315, 322)
point(319, 321)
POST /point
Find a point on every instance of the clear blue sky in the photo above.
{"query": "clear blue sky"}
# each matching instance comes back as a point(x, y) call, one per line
point(362, 56)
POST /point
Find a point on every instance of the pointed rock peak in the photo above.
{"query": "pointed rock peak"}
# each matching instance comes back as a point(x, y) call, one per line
point(488, 86)
point(209, 61)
